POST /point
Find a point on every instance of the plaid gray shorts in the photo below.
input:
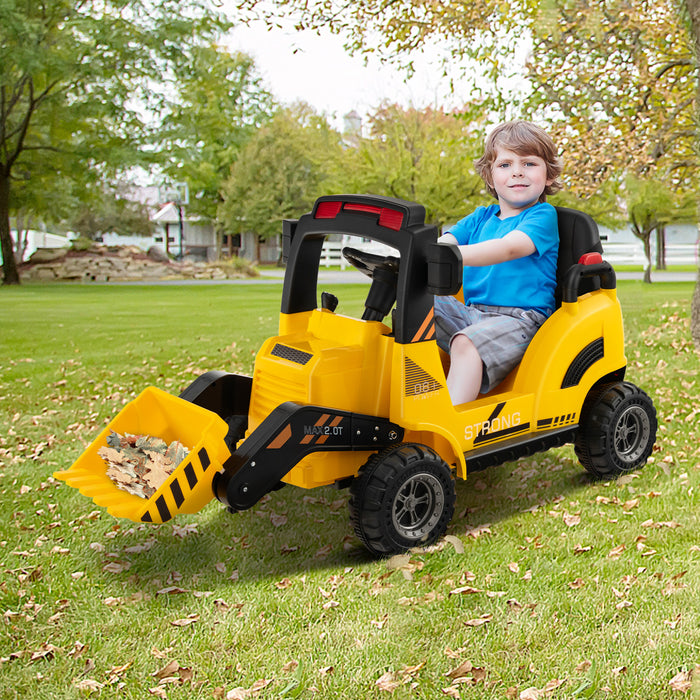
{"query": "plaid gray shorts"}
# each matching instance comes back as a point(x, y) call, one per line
point(500, 334)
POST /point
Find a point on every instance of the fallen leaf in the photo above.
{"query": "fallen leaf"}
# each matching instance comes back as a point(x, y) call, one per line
point(682, 681)
point(184, 622)
point(278, 520)
point(89, 684)
point(477, 622)
point(116, 567)
point(552, 685)
point(571, 520)
point(616, 552)
point(171, 590)
point(456, 543)
point(479, 531)
point(464, 669)
point(323, 552)
point(398, 561)
point(243, 693)
point(388, 681)
point(168, 670)
point(462, 590)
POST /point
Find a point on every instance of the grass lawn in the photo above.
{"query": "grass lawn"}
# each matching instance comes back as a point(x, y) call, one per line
point(549, 585)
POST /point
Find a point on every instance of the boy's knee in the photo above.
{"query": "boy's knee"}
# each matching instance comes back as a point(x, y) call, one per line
point(461, 345)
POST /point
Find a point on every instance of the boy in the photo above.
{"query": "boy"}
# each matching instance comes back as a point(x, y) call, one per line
point(510, 253)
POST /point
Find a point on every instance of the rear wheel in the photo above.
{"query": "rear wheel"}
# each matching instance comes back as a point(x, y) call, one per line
point(617, 430)
point(403, 497)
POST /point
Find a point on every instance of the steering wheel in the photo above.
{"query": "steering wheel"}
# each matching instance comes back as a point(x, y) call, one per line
point(384, 272)
point(369, 262)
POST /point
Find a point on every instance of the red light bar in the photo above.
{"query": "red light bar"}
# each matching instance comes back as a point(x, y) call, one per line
point(328, 210)
point(590, 259)
point(388, 218)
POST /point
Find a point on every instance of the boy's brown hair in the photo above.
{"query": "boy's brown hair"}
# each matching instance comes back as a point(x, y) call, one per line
point(525, 139)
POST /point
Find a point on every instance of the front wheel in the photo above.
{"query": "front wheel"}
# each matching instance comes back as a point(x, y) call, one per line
point(617, 430)
point(403, 497)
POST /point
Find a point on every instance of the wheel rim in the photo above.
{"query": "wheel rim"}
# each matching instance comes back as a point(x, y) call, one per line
point(632, 434)
point(418, 506)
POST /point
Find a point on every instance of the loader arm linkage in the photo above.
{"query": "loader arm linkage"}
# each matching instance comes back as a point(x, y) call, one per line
point(288, 434)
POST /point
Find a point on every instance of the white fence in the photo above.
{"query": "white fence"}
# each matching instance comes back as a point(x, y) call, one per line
point(633, 253)
point(332, 256)
point(615, 253)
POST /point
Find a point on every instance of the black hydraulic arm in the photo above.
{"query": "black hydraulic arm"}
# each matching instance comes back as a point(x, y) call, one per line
point(289, 433)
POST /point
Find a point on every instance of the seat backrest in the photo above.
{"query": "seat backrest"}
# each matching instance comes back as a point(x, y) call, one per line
point(578, 234)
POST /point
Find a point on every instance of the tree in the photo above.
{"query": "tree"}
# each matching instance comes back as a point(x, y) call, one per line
point(280, 172)
point(219, 104)
point(423, 155)
point(651, 208)
point(77, 81)
point(602, 72)
point(110, 210)
point(693, 11)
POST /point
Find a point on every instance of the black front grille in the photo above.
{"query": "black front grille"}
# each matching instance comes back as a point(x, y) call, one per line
point(291, 354)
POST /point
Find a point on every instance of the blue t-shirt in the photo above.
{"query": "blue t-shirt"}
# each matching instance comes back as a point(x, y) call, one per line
point(526, 283)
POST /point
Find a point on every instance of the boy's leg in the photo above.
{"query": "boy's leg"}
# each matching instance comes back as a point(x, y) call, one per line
point(466, 370)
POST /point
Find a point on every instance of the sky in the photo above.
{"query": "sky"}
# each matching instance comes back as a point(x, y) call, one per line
point(318, 70)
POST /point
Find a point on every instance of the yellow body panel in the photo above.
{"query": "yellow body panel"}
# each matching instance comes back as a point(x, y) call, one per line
point(324, 359)
point(356, 366)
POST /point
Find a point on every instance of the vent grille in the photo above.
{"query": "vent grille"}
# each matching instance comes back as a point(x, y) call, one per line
point(417, 380)
point(586, 358)
point(291, 354)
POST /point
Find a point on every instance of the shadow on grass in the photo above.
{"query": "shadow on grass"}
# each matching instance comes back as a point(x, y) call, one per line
point(296, 532)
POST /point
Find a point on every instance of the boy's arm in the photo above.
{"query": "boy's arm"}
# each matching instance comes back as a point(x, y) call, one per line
point(513, 245)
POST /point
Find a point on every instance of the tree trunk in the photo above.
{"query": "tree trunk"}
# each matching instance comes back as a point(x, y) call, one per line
point(9, 264)
point(661, 248)
point(693, 7)
point(647, 255)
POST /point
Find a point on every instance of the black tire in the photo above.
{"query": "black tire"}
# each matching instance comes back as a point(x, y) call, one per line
point(617, 430)
point(403, 497)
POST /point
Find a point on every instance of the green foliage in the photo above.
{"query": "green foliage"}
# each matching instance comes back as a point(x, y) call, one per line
point(422, 155)
point(110, 211)
point(280, 172)
point(551, 585)
point(77, 84)
point(219, 104)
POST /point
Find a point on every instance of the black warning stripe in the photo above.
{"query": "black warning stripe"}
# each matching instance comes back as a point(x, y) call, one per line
point(488, 436)
point(187, 479)
point(564, 419)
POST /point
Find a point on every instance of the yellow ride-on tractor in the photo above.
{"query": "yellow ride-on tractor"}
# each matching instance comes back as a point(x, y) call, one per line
point(362, 403)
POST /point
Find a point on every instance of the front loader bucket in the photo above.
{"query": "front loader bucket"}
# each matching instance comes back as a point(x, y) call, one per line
point(188, 489)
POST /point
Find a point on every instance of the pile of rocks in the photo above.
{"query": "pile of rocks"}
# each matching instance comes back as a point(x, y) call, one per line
point(100, 263)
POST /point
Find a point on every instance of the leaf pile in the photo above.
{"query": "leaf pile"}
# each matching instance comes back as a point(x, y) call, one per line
point(140, 464)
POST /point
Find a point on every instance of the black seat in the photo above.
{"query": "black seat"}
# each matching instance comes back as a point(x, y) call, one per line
point(578, 234)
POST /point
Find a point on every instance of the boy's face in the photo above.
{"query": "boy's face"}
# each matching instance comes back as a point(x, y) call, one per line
point(518, 180)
